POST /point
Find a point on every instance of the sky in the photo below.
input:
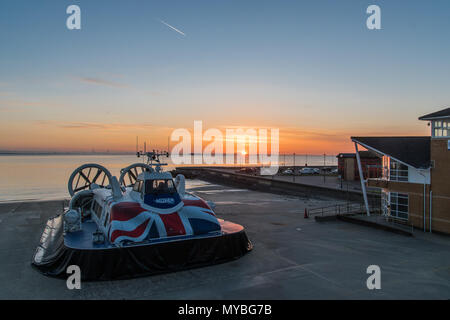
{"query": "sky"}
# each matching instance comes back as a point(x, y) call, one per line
point(312, 69)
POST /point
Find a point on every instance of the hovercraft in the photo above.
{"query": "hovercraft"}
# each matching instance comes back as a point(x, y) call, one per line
point(143, 224)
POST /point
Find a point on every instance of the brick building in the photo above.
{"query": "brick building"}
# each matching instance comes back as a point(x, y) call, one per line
point(415, 181)
point(348, 166)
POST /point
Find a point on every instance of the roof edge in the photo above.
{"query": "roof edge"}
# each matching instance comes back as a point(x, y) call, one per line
point(432, 118)
point(355, 139)
point(441, 114)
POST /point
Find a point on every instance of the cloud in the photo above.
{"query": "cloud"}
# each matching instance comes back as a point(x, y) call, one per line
point(171, 27)
point(296, 133)
point(20, 103)
point(98, 125)
point(318, 133)
point(102, 82)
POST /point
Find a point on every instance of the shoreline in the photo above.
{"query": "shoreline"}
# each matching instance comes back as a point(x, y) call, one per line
point(23, 201)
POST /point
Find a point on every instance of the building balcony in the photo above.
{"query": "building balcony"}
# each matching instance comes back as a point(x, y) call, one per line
point(395, 174)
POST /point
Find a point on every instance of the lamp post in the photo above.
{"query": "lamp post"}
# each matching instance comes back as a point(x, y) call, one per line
point(293, 170)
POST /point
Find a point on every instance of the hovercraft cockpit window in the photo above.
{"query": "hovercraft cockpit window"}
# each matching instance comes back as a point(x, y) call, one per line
point(159, 186)
point(138, 186)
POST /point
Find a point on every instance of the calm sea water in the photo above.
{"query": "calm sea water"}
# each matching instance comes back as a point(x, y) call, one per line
point(44, 177)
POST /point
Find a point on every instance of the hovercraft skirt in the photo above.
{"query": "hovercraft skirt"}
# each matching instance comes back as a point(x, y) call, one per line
point(53, 257)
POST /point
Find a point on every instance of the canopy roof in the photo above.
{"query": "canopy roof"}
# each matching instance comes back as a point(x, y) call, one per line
point(412, 151)
point(445, 113)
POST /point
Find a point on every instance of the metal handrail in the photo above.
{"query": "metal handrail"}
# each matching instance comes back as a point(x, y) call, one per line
point(387, 174)
point(337, 209)
point(358, 209)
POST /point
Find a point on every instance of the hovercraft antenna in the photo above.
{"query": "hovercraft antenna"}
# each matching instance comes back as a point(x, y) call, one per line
point(152, 158)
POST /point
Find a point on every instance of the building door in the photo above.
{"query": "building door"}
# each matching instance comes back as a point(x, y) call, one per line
point(349, 169)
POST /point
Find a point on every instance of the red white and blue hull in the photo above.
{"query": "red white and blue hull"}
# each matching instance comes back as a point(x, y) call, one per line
point(151, 225)
point(132, 221)
point(141, 242)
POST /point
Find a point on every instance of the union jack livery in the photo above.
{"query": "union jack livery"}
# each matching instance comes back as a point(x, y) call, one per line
point(140, 224)
point(131, 221)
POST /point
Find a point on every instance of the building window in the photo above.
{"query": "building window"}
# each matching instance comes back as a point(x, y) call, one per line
point(398, 171)
point(395, 204)
point(441, 129)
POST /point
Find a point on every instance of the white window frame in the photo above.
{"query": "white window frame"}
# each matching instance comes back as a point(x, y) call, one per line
point(440, 128)
point(395, 213)
point(394, 174)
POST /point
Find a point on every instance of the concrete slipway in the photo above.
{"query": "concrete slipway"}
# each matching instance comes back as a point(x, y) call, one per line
point(293, 257)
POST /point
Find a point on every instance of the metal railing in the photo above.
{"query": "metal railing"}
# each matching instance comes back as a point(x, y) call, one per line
point(345, 208)
point(359, 209)
point(393, 174)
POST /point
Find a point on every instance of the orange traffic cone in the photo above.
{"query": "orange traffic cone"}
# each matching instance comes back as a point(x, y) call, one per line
point(306, 214)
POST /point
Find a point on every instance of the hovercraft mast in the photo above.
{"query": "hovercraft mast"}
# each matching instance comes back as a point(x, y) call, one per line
point(152, 158)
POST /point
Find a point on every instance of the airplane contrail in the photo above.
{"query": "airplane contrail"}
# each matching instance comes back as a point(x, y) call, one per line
point(171, 27)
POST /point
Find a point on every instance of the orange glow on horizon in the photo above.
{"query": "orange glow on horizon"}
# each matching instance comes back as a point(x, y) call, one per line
point(87, 137)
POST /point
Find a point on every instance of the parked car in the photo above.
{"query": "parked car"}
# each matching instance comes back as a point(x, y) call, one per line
point(335, 171)
point(288, 171)
point(308, 170)
point(326, 170)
